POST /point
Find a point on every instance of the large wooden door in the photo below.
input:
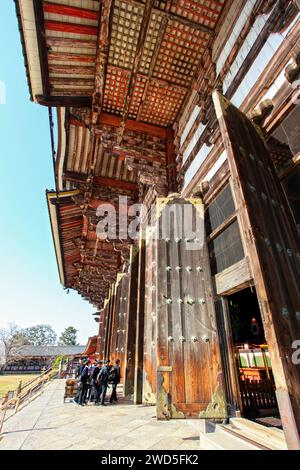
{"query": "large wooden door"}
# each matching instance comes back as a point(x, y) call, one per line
point(189, 377)
point(274, 250)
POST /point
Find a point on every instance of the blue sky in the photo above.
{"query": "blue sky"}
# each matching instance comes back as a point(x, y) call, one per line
point(30, 292)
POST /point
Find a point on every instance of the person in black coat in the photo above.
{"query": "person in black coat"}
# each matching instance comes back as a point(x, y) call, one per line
point(84, 377)
point(103, 381)
point(78, 371)
point(95, 383)
point(115, 378)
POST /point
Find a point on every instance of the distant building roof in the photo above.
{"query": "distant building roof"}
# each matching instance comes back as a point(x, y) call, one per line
point(48, 351)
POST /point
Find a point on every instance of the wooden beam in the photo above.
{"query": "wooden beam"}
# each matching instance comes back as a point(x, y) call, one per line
point(137, 153)
point(70, 11)
point(110, 182)
point(100, 181)
point(161, 33)
point(75, 92)
point(171, 162)
point(115, 121)
point(101, 58)
point(70, 57)
point(137, 59)
point(84, 82)
point(64, 101)
point(71, 69)
point(71, 43)
point(71, 28)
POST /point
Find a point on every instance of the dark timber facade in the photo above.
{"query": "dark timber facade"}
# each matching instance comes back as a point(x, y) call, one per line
point(188, 103)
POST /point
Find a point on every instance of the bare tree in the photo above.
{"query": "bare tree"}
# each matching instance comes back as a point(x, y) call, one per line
point(11, 338)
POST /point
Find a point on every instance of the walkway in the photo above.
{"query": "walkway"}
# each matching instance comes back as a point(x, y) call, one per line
point(48, 424)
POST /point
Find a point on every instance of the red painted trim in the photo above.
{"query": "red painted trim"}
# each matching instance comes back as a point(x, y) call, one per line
point(70, 11)
point(71, 28)
point(75, 122)
point(115, 121)
point(115, 183)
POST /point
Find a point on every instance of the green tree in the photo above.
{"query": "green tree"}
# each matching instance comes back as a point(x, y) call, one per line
point(69, 337)
point(40, 335)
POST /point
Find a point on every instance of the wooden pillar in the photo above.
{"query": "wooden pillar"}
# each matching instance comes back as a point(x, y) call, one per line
point(121, 322)
point(131, 317)
point(150, 321)
point(274, 250)
point(171, 162)
point(101, 335)
point(109, 321)
point(139, 355)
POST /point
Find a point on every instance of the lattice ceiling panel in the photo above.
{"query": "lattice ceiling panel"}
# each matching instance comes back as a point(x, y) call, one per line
point(162, 103)
point(150, 42)
point(116, 86)
point(180, 53)
point(205, 12)
point(137, 96)
point(126, 23)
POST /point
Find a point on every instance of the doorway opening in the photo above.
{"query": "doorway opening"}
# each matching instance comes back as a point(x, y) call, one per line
point(252, 359)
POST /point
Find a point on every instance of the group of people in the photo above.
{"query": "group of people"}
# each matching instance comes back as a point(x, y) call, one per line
point(94, 380)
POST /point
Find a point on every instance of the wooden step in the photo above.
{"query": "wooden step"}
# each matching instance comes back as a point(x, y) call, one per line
point(270, 438)
point(220, 440)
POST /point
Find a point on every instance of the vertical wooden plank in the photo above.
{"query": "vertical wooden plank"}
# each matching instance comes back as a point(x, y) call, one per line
point(123, 324)
point(101, 334)
point(149, 376)
point(110, 322)
point(228, 357)
point(139, 357)
point(164, 305)
point(274, 251)
point(131, 320)
point(176, 328)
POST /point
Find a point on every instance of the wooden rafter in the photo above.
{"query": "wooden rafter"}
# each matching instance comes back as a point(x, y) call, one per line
point(71, 28)
point(153, 62)
point(40, 25)
point(66, 10)
point(70, 57)
point(100, 181)
point(70, 43)
point(112, 120)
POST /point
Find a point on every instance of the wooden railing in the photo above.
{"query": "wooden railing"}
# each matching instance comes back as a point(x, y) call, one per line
point(25, 394)
point(258, 395)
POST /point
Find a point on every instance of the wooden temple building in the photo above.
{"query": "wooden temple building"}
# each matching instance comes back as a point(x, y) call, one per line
point(180, 102)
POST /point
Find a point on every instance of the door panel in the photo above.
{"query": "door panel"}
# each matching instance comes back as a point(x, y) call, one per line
point(189, 378)
point(274, 250)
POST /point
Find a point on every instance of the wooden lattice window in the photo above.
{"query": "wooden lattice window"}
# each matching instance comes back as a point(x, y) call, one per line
point(219, 210)
point(222, 229)
point(226, 249)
